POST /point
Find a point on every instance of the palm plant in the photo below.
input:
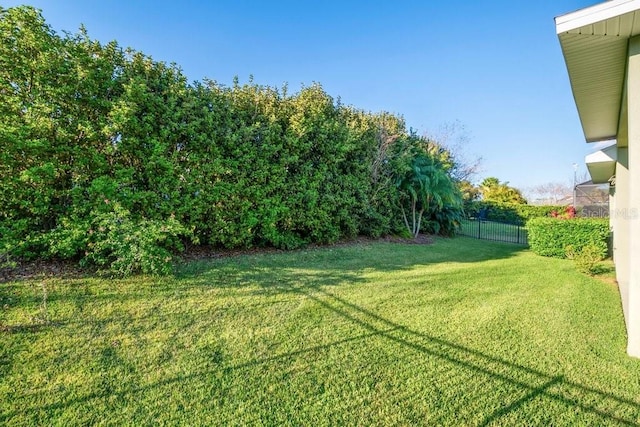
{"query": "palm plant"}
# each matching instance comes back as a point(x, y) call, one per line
point(424, 186)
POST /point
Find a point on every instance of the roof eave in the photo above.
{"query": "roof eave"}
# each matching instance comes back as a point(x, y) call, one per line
point(593, 14)
point(602, 164)
point(594, 44)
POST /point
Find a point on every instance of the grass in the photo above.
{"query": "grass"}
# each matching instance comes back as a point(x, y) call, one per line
point(461, 332)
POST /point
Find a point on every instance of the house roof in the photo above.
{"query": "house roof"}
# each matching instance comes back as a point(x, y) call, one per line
point(594, 43)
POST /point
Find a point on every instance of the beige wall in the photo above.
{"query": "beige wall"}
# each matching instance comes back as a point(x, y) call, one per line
point(620, 222)
point(630, 222)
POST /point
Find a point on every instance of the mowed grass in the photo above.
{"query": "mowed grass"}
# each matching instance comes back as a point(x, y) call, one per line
point(461, 332)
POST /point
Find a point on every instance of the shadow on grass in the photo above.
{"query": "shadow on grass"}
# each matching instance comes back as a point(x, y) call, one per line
point(326, 266)
point(603, 269)
point(315, 284)
point(537, 383)
point(530, 384)
point(334, 265)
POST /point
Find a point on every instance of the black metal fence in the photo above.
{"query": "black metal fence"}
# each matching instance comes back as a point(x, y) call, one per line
point(497, 231)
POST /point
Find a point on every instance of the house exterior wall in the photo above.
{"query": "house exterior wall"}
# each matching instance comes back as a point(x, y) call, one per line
point(633, 198)
point(620, 222)
point(601, 46)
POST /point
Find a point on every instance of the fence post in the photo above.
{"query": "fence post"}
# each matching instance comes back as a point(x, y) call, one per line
point(518, 235)
point(479, 221)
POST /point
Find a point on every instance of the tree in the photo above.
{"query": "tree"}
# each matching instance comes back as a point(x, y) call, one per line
point(423, 183)
point(469, 191)
point(500, 192)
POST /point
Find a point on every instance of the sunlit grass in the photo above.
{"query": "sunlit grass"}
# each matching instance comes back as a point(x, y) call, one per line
point(462, 332)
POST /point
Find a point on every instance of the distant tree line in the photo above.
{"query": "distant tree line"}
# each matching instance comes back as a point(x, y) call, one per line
point(116, 160)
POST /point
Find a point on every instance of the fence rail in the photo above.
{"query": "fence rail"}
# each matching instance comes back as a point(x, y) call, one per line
point(490, 230)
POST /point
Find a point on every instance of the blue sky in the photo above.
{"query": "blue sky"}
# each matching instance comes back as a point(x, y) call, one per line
point(494, 67)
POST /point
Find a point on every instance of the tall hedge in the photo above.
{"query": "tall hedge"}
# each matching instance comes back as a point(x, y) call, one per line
point(551, 236)
point(512, 213)
point(96, 140)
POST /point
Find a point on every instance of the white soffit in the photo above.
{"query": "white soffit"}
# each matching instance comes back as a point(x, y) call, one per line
point(602, 164)
point(608, 154)
point(594, 43)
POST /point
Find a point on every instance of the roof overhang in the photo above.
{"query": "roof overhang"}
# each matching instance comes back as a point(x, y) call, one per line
point(594, 43)
point(602, 164)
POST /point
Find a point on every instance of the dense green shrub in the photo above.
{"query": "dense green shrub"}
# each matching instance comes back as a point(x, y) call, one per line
point(118, 243)
point(445, 221)
point(551, 236)
point(114, 240)
point(511, 213)
point(82, 123)
point(6, 259)
point(587, 260)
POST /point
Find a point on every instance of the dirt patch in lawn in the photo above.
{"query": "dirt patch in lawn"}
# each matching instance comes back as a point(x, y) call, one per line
point(41, 269)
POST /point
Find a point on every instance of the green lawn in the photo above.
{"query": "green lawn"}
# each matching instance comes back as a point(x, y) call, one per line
point(461, 332)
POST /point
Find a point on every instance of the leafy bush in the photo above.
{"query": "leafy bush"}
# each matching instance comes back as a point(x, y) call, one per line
point(551, 236)
point(119, 244)
point(126, 246)
point(587, 260)
point(510, 213)
point(445, 221)
point(6, 260)
point(6, 248)
point(569, 213)
point(241, 166)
